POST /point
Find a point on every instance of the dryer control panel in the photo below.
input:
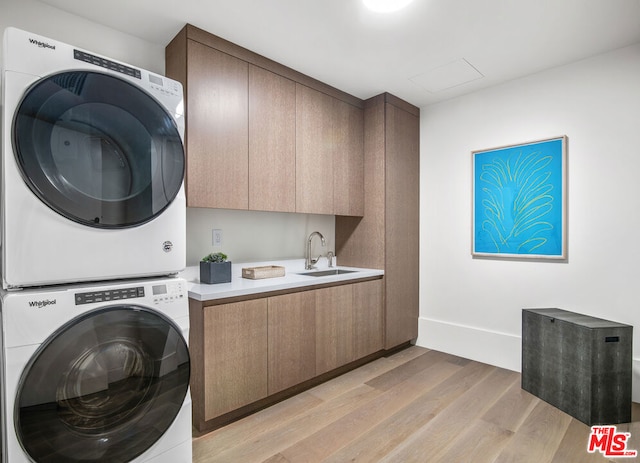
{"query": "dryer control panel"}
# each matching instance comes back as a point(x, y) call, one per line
point(106, 63)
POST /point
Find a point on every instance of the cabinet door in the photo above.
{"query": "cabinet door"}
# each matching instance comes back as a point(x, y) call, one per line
point(348, 160)
point(292, 340)
point(402, 212)
point(272, 145)
point(235, 356)
point(367, 318)
point(334, 327)
point(314, 148)
point(329, 154)
point(217, 135)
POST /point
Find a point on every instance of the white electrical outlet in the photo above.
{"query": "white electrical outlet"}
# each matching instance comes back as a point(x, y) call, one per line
point(217, 237)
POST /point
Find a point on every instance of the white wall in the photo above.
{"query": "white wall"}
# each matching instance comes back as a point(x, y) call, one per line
point(472, 307)
point(256, 236)
point(34, 16)
point(248, 236)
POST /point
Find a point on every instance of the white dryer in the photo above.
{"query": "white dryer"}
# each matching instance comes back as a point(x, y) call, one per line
point(92, 167)
point(97, 373)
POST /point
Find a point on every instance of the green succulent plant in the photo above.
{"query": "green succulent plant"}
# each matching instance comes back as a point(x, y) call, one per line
point(217, 257)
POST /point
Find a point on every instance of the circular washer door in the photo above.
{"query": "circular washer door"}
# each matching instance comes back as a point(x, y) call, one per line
point(98, 149)
point(103, 388)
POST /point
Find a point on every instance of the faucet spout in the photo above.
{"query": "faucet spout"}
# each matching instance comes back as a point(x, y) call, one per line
point(309, 262)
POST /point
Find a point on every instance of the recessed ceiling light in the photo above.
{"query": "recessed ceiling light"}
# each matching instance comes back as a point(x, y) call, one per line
point(386, 6)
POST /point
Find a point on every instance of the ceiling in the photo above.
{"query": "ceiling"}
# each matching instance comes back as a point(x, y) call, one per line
point(431, 51)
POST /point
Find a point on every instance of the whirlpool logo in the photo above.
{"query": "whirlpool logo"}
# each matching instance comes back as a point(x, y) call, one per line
point(42, 44)
point(42, 304)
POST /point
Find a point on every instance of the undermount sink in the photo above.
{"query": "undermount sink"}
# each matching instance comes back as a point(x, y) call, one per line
point(324, 273)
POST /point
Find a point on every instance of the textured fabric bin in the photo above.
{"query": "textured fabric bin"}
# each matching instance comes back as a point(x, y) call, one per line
point(579, 364)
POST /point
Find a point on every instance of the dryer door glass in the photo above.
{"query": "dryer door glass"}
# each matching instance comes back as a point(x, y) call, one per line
point(103, 388)
point(97, 149)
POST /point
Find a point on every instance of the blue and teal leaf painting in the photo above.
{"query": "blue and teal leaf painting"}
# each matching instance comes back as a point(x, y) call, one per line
point(518, 200)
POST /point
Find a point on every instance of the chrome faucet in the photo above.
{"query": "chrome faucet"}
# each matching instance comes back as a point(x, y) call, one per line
point(309, 263)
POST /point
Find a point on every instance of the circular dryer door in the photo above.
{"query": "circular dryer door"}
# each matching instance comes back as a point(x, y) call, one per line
point(98, 149)
point(103, 388)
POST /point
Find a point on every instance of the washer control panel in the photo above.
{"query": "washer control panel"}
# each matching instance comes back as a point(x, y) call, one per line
point(168, 292)
point(109, 295)
point(165, 292)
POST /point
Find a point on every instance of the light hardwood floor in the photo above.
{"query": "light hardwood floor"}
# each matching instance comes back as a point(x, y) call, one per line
point(417, 405)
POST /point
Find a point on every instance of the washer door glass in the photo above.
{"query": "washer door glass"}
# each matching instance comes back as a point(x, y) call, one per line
point(97, 149)
point(103, 388)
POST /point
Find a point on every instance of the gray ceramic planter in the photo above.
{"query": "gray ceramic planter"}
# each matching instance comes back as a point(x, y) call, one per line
point(215, 272)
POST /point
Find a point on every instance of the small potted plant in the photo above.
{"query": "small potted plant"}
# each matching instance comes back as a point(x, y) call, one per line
point(214, 268)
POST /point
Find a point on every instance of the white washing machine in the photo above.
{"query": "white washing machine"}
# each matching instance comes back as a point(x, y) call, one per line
point(97, 373)
point(92, 167)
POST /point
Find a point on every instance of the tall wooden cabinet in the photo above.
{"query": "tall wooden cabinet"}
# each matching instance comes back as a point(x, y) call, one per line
point(387, 237)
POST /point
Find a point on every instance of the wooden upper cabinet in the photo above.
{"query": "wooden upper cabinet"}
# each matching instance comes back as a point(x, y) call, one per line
point(348, 160)
point(262, 136)
point(329, 154)
point(217, 129)
point(272, 142)
point(314, 151)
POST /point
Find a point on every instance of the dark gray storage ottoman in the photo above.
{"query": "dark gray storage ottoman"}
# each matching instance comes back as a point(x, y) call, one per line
point(579, 364)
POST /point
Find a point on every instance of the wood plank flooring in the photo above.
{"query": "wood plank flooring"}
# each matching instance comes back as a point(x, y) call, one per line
point(417, 405)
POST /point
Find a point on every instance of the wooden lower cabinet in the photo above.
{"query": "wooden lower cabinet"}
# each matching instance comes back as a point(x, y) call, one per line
point(235, 356)
point(368, 325)
point(292, 348)
point(348, 324)
point(334, 328)
point(246, 354)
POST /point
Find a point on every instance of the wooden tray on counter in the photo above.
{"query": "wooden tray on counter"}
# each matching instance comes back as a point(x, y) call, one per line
point(266, 271)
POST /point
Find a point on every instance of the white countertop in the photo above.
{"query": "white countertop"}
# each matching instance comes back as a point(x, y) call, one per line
point(242, 286)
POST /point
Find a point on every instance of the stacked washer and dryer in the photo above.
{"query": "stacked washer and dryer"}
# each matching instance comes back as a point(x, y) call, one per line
point(95, 361)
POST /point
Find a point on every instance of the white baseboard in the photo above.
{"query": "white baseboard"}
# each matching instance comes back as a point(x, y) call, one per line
point(492, 347)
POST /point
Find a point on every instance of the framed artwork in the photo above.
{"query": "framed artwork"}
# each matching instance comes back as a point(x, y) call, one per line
point(519, 200)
